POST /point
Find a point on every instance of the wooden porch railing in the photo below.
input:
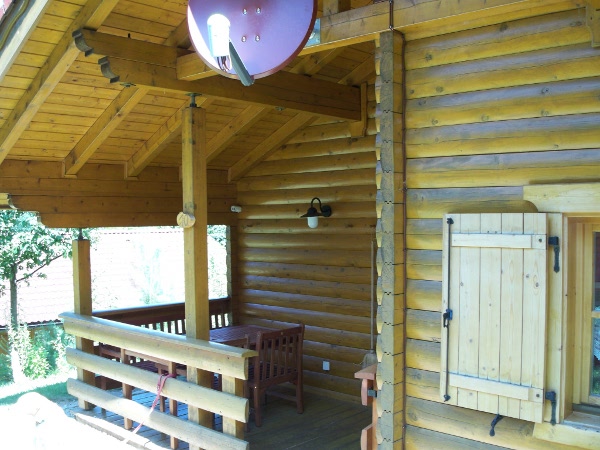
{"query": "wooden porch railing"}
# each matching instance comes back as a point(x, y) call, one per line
point(170, 317)
point(230, 362)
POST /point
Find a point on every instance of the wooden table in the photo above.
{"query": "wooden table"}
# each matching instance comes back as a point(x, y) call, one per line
point(227, 334)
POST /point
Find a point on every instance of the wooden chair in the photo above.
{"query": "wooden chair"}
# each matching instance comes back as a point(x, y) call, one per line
point(279, 361)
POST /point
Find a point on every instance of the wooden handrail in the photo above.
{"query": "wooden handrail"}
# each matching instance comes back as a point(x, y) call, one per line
point(205, 355)
point(230, 362)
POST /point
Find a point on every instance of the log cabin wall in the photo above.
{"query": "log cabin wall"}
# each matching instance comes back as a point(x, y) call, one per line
point(289, 273)
point(488, 111)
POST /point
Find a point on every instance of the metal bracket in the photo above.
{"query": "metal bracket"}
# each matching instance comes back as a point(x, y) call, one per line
point(551, 395)
point(553, 241)
point(497, 419)
point(81, 44)
point(372, 393)
point(446, 318)
point(106, 70)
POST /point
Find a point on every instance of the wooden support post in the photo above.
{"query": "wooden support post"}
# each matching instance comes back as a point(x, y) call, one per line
point(390, 207)
point(195, 201)
point(82, 288)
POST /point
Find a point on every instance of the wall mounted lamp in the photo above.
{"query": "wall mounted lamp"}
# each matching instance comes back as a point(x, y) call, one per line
point(313, 215)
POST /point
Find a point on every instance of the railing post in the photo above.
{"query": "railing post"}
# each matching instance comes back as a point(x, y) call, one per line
point(232, 385)
point(82, 287)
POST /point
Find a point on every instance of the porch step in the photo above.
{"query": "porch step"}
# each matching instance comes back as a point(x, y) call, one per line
point(116, 431)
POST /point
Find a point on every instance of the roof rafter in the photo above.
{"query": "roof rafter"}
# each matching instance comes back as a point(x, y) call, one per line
point(269, 145)
point(92, 14)
point(159, 140)
point(108, 121)
point(248, 117)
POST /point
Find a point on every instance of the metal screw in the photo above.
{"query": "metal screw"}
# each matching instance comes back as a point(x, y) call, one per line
point(257, 38)
point(243, 38)
point(257, 10)
point(245, 11)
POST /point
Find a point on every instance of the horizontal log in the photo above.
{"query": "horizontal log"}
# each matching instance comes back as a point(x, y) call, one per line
point(534, 33)
point(513, 169)
point(423, 384)
point(546, 100)
point(325, 257)
point(87, 220)
point(554, 64)
point(434, 203)
point(307, 165)
point(344, 210)
point(359, 275)
point(352, 291)
point(424, 234)
point(329, 225)
point(336, 368)
point(330, 131)
point(191, 394)
point(303, 196)
point(309, 318)
point(349, 344)
point(336, 305)
point(305, 240)
point(578, 131)
point(331, 383)
point(358, 177)
point(424, 264)
point(328, 352)
point(209, 356)
point(417, 438)
point(423, 325)
point(462, 422)
point(423, 355)
point(331, 147)
point(424, 295)
point(171, 425)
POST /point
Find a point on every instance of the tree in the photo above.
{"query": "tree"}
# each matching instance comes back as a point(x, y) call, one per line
point(26, 248)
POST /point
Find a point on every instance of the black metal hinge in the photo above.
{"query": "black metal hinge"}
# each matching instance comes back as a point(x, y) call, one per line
point(553, 241)
point(447, 317)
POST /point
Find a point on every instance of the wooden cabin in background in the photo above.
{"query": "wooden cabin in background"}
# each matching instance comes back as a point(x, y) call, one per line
point(463, 137)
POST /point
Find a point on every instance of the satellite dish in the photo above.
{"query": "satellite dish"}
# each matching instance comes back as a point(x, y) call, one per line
point(248, 40)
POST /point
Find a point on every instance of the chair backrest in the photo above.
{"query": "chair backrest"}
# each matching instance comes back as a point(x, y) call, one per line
point(279, 356)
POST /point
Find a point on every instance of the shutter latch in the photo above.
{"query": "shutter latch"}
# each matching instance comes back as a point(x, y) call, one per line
point(497, 419)
point(551, 395)
point(446, 318)
point(553, 240)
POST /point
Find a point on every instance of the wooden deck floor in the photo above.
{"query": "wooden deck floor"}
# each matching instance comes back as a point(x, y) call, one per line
point(325, 424)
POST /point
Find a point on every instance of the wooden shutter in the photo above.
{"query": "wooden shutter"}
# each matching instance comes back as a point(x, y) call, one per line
point(494, 282)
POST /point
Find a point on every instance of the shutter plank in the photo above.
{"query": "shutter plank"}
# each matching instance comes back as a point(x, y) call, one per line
point(496, 388)
point(468, 334)
point(490, 239)
point(511, 312)
point(489, 314)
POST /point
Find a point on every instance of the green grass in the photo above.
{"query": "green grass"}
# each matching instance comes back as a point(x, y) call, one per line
point(596, 381)
point(53, 388)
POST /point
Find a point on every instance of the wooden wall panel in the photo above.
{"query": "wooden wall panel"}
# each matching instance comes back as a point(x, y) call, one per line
point(289, 273)
point(489, 111)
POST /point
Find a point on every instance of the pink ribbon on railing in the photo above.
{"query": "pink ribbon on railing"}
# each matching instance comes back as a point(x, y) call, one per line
point(159, 387)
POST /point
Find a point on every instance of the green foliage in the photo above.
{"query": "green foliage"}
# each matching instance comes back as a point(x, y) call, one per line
point(218, 233)
point(40, 356)
point(26, 245)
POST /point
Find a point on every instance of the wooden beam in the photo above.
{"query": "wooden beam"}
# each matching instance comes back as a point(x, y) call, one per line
point(14, 38)
point(102, 128)
point(269, 145)
point(82, 288)
point(248, 117)
point(281, 89)
point(592, 11)
point(102, 44)
point(312, 64)
point(335, 6)
point(91, 15)
point(195, 204)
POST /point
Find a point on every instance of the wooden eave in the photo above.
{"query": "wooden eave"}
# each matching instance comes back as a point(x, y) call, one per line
point(63, 122)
